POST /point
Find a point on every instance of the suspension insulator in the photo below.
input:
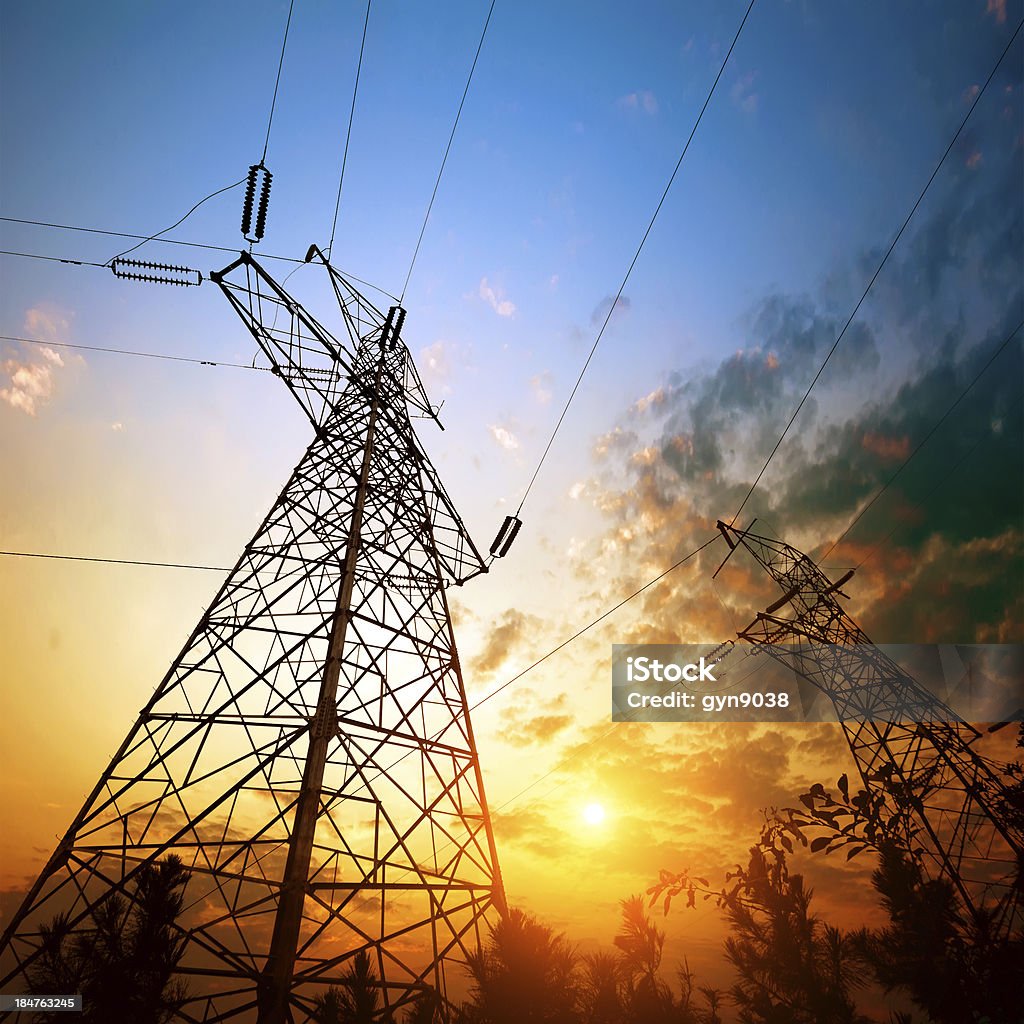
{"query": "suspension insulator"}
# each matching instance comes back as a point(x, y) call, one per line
point(392, 327)
point(261, 212)
point(250, 194)
point(509, 529)
point(160, 273)
point(720, 652)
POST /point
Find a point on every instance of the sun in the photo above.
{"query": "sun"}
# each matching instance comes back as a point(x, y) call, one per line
point(593, 814)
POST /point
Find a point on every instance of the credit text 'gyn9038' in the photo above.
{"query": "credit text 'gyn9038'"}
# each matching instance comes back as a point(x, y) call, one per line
point(783, 683)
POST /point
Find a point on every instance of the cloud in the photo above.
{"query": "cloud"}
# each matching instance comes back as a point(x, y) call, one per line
point(504, 633)
point(31, 382)
point(540, 385)
point(743, 95)
point(601, 310)
point(894, 449)
point(997, 8)
point(654, 400)
point(687, 452)
point(31, 378)
point(504, 437)
point(438, 363)
point(496, 299)
point(642, 99)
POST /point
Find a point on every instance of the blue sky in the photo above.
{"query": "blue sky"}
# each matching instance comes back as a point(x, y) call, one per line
point(827, 122)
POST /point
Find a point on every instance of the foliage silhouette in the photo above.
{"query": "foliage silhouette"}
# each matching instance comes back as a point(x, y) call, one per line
point(525, 975)
point(122, 963)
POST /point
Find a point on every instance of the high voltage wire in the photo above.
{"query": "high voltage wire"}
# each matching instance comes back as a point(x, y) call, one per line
point(447, 150)
point(589, 358)
point(277, 81)
point(636, 256)
point(600, 618)
point(878, 270)
point(132, 352)
point(113, 561)
point(163, 241)
point(604, 615)
point(150, 238)
point(348, 134)
point(52, 259)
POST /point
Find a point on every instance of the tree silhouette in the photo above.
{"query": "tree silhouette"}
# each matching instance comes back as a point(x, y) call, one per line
point(956, 968)
point(792, 968)
point(647, 999)
point(526, 974)
point(951, 961)
point(356, 998)
point(121, 964)
point(713, 996)
point(599, 999)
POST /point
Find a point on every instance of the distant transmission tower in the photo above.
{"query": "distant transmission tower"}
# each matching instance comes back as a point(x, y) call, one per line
point(309, 755)
point(909, 747)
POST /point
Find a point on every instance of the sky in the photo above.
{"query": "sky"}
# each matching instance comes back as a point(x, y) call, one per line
point(827, 123)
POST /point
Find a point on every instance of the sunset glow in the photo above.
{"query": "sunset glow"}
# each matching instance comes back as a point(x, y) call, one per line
point(143, 436)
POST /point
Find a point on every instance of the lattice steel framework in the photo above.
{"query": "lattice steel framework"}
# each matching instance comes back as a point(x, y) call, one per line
point(309, 755)
point(907, 744)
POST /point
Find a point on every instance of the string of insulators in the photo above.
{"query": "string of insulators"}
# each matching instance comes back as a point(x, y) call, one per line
point(161, 272)
point(392, 328)
point(719, 653)
point(307, 374)
point(509, 529)
point(250, 200)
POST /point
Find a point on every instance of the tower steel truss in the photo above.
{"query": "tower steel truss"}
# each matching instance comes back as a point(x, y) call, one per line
point(907, 744)
point(309, 755)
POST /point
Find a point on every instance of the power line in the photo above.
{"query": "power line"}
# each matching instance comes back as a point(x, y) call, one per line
point(447, 149)
point(541, 660)
point(878, 270)
point(113, 561)
point(52, 259)
point(924, 440)
point(150, 238)
point(636, 256)
point(277, 81)
point(590, 625)
point(163, 241)
point(348, 134)
point(132, 352)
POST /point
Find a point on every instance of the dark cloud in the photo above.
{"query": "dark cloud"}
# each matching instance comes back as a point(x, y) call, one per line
point(951, 521)
point(502, 636)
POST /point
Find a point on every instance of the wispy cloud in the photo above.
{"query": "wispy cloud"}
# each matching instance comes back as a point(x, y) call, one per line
point(743, 94)
point(504, 437)
point(31, 377)
point(622, 306)
point(540, 385)
point(642, 99)
point(495, 297)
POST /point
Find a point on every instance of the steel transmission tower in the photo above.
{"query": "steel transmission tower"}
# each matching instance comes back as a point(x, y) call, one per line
point(309, 755)
point(908, 745)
